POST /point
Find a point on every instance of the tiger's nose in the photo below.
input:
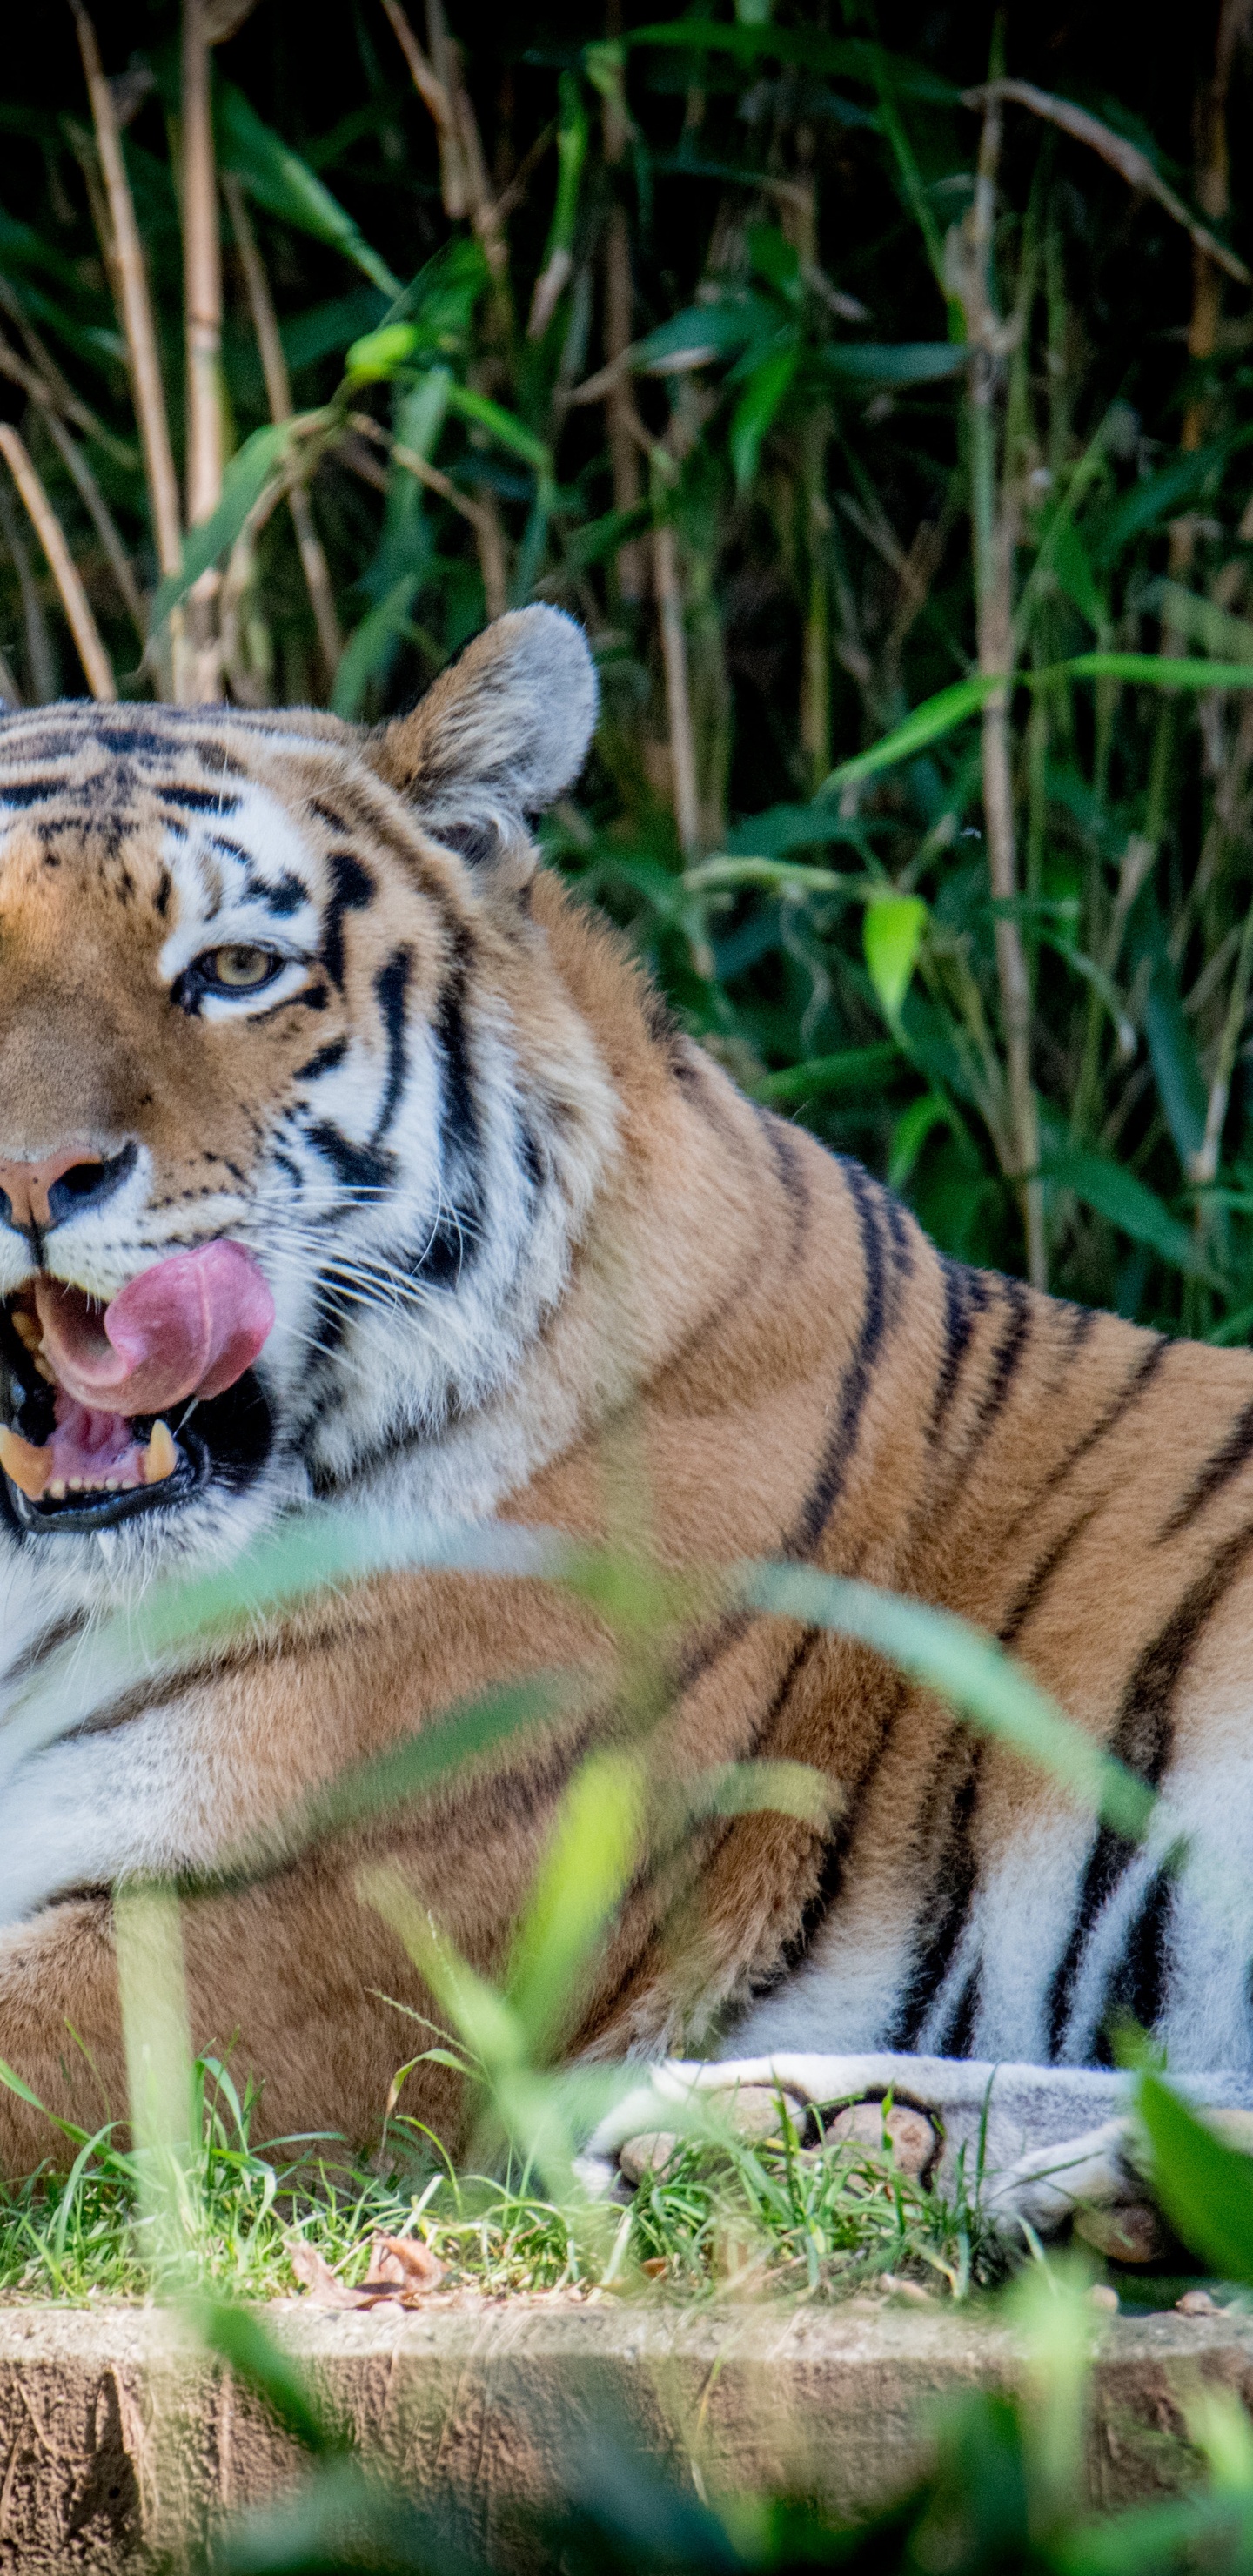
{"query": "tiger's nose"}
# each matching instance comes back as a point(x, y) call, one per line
point(62, 1185)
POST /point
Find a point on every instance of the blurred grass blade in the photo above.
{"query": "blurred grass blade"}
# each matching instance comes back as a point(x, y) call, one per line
point(238, 2337)
point(969, 1669)
point(155, 2030)
point(1204, 2187)
point(592, 1851)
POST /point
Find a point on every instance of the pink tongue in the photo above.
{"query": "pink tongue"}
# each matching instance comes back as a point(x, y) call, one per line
point(189, 1326)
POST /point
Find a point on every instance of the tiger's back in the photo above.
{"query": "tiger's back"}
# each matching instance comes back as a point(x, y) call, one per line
point(533, 1259)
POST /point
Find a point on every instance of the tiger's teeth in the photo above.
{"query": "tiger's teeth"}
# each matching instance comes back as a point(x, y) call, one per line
point(160, 1457)
point(26, 1466)
point(27, 1330)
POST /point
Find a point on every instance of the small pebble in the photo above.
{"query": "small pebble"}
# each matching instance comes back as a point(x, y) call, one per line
point(1197, 2303)
point(1102, 2295)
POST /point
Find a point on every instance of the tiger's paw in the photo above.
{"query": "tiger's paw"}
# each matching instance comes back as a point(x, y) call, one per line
point(757, 2100)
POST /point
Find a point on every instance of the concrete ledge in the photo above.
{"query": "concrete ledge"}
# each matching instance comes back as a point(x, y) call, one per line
point(118, 2439)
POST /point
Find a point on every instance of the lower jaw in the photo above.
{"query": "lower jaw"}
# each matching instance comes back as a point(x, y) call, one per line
point(222, 1447)
point(102, 1510)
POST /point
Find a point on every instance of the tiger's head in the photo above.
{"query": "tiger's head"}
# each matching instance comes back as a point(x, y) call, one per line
point(298, 1123)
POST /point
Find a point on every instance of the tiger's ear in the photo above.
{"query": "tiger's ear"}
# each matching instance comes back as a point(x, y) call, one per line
point(497, 737)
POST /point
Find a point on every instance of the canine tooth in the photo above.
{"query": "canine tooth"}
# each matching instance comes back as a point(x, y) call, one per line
point(43, 1368)
point(27, 1467)
point(160, 1457)
point(27, 1330)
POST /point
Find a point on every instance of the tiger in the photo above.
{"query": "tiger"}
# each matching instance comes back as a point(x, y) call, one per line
point(351, 1161)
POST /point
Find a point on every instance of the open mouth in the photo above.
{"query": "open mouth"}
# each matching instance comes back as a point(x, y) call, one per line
point(138, 1405)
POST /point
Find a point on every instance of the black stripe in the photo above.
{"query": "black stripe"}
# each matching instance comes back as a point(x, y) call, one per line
point(390, 987)
point(1006, 1361)
point(965, 1296)
point(1138, 1984)
point(1141, 1378)
point(1041, 1576)
point(359, 1167)
point(324, 1061)
point(958, 2033)
point(199, 800)
point(827, 1886)
point(1143, 1739)
point(353, 891)
point(1218, 1471)
point(791, 1178)
point(951, 1898)
point(858, 1371)
point(30, 792)
point(459, 1122)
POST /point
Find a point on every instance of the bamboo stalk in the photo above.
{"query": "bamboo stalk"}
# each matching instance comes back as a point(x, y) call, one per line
point(313, 561)
point(140, 329)
point(202, 301)
point(61, 564)
point(993, 519)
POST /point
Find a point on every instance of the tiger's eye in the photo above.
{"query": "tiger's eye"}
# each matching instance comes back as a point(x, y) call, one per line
point(241, 969)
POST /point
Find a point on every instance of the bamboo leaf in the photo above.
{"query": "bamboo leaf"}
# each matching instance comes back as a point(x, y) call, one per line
point(513, 433)
point(1116, 1194)
point(286, 186)
point(892, 930)
point(258, 463)
point(903, 362)
point(759, 405)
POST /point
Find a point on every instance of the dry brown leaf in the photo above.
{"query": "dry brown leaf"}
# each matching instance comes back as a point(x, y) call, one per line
point(402, 2272)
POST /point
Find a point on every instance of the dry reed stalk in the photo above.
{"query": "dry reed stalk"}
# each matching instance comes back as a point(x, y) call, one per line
point(1132, 165)
point(994, 516)
point(437, 77)
point(668, 587)
point(61, 564)
point(105, 524)
point(202, 300)
point(313, 561)
point(140, 329)
point(40, 654)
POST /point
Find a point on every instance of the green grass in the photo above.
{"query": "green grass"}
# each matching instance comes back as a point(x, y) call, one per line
point(730, 2220)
